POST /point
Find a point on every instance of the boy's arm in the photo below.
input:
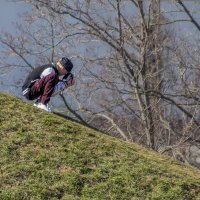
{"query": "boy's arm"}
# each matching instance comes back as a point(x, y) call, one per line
point(67, 81)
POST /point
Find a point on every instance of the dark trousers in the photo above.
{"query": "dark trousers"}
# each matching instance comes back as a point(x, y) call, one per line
point(43, 88)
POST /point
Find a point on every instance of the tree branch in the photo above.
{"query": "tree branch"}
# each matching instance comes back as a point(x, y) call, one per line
point(189, 14)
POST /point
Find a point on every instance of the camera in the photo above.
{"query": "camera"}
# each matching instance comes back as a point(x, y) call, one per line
point(69, 76)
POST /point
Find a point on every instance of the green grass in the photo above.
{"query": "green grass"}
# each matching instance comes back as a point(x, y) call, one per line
point(43, 156)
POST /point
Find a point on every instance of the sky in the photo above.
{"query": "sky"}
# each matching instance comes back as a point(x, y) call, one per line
point(9, 13)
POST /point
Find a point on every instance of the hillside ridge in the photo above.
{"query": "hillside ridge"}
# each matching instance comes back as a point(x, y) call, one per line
point(43, 156)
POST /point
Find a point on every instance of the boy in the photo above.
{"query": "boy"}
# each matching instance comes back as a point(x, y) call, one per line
point(43, 82)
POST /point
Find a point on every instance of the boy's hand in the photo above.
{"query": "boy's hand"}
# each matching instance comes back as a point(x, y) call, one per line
point(69, 79)
point(70, 82)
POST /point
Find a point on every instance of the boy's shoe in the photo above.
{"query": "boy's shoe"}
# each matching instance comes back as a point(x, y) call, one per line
point(37, 102)
point(44, 107)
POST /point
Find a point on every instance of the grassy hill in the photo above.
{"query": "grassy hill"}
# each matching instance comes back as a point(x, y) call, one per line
point(43, 156)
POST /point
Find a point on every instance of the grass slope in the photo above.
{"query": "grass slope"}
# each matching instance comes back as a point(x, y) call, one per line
point(43, 156)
